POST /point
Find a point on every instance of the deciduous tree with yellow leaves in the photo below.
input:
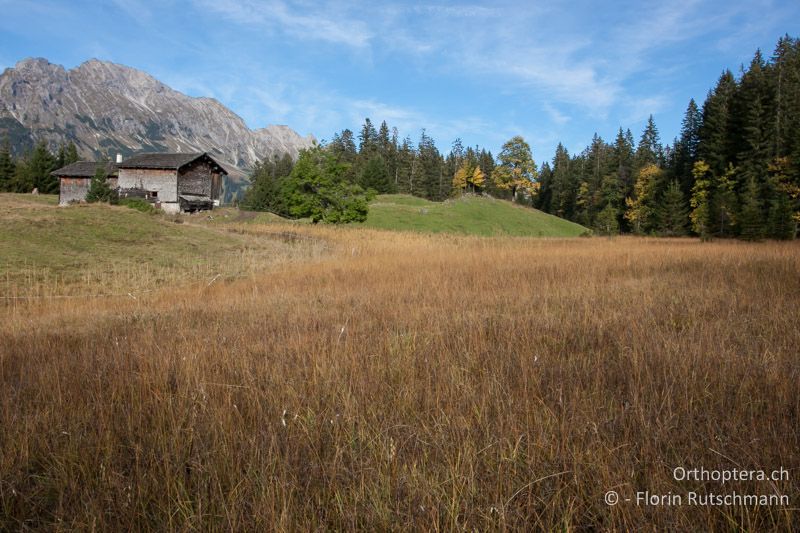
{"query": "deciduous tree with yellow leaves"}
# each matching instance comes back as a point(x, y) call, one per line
point(516, 169)
point(469, 176)
point(701, 211)
point(641, 211)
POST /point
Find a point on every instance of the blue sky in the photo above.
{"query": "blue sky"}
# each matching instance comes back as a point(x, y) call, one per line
point(550, 71)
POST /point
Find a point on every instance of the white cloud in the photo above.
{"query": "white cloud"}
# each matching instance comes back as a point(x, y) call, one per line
point(135, 9)
point(308, 22)
point(555, 115)
point(637, 110)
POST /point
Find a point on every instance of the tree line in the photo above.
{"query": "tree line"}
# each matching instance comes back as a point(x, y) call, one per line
point(32, 170)
point(734, 171)
point(334, 181)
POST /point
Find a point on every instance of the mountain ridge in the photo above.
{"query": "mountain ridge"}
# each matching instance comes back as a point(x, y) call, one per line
point(104, 108)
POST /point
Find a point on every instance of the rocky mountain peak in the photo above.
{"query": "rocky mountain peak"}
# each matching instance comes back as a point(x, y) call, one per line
point(106, 108)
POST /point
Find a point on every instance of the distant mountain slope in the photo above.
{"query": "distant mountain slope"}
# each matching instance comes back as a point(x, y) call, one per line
point(106, 108)
point(470, 215)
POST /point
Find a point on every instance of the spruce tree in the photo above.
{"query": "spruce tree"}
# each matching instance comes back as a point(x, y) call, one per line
point(673, 213)
point(373, 176)
point(343, 146)
point(685, 152)
point(780, 220)
point(71, 154)
point(713, 148)
point(7, 166)
point(724, 203)
point(39, 166)
point(266, 185)
point(565, 186)
point(751, 216)
point(367, 139)
point(544, 198)
point(607, 222)
point(486, 163)
point(649, 150)
point(99, 190)
point(429, 172)
point(406, 162)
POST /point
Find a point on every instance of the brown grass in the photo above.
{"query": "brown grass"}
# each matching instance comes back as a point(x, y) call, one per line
point(412, 382)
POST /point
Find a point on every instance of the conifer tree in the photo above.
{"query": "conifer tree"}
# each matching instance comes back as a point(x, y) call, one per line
point(565, 186)
point(607, 222)
point(7, 166)
point(487, 164)
point(60, 157)
point(99, 190)
point(714, 137)
point(610, 201)
point(373, 176)
point(649, 151)
point(317, 189)
point(39, 166)
point(343, 146)
point(266, 182)
point(685, 151)
point(673, 213)
point(782, 219)
point(367, 139)
point(71, 154)
point(406, 163)
point(429, 172)
point(751, 216)
point(724, 204)
point(545, 196)
point(22, 181)
point(701, 193)
point(781, 223)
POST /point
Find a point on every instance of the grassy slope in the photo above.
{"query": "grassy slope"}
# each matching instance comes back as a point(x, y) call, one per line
point(33, 232)
point(40, 242)
point(469, 215)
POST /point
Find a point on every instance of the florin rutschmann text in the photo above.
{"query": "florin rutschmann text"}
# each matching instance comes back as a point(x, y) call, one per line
point(770, 497)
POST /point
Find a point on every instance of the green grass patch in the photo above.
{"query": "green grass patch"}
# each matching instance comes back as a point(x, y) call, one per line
point(468, 215)
point(143, 206)
point(39, 240)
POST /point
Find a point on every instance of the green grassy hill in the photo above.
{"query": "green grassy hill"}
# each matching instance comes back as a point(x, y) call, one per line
point(469, 215)
point(42, 244)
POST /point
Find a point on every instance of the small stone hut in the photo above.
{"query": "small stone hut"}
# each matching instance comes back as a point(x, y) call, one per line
point(74, 180)
point(174, 182)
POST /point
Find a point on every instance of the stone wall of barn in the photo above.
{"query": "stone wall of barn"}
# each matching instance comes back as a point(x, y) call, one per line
point(73, 190)
point(160, 185)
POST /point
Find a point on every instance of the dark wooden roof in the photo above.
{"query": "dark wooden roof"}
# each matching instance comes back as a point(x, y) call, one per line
point(84, 169)
point(166, 161)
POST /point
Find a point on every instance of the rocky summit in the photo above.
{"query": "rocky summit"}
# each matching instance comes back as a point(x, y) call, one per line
point(105, 108)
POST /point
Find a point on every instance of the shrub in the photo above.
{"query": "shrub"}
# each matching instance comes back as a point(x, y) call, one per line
point(137, 203)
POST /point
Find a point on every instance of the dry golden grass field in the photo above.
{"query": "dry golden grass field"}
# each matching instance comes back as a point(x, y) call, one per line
point(394, 381)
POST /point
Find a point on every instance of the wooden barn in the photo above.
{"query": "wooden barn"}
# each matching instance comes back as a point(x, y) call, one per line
point(74, 180)
point(174, 182)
